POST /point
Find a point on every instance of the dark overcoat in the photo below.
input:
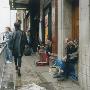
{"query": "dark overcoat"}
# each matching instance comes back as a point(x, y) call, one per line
point(19, 42)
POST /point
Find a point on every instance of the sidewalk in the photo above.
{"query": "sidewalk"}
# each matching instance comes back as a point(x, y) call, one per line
point(34, 74)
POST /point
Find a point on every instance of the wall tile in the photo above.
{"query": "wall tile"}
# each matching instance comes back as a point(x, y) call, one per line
point(83, 59)
point(88, 88)
point(84, 82)
point(88, 70)
point(88, 81)
point(84, 69)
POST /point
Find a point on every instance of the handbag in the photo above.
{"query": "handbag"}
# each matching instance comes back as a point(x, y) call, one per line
point(27, 51)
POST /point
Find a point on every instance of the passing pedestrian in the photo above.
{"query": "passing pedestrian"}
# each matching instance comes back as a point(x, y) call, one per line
point(7, 37)
point(19, 42)
point(30, 41)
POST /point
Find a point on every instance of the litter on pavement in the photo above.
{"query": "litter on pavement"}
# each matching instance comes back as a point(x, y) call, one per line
point(32, 87)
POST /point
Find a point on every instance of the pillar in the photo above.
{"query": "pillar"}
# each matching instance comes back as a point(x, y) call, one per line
point(84, 44)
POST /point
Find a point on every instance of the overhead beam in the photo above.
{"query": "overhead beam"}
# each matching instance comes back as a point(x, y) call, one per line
point(14, 5)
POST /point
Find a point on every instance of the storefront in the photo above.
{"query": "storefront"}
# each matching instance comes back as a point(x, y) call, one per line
point(49, 24)
point(47, 19)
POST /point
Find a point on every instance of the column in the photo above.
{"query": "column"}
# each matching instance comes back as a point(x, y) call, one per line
point(84, 44)
point(55, 26)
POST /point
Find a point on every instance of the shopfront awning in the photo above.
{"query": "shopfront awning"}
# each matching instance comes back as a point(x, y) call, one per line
point(19, 4)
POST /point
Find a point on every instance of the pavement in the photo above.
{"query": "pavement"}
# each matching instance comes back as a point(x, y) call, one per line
point(30, 73)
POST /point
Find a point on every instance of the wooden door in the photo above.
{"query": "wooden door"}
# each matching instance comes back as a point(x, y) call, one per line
point(75, 20)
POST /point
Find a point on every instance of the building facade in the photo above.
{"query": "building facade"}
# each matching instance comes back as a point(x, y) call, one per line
point(71, 18)
point(48, 20)
point(74, 22)
point(60, 19)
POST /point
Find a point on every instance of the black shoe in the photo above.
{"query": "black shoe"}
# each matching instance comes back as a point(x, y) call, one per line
point(16, 67)
point(19, 73)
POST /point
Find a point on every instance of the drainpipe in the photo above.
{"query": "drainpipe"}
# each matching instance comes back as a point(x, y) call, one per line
point(89, 17)
point(62, 48)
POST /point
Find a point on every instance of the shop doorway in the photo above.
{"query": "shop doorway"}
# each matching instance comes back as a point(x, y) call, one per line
point(75, 19)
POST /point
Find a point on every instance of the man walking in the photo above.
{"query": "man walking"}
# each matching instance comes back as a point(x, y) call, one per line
point(19, 42)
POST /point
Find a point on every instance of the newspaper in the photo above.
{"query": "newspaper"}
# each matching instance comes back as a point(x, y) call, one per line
point(32, 87)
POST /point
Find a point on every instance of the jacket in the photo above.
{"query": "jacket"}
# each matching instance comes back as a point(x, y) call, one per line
point(19, 42)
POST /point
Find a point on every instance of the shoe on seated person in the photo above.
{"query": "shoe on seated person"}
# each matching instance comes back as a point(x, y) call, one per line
point(8, 62)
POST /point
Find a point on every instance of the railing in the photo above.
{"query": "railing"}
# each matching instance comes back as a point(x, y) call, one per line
point(2, 62)
point(1, 37)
